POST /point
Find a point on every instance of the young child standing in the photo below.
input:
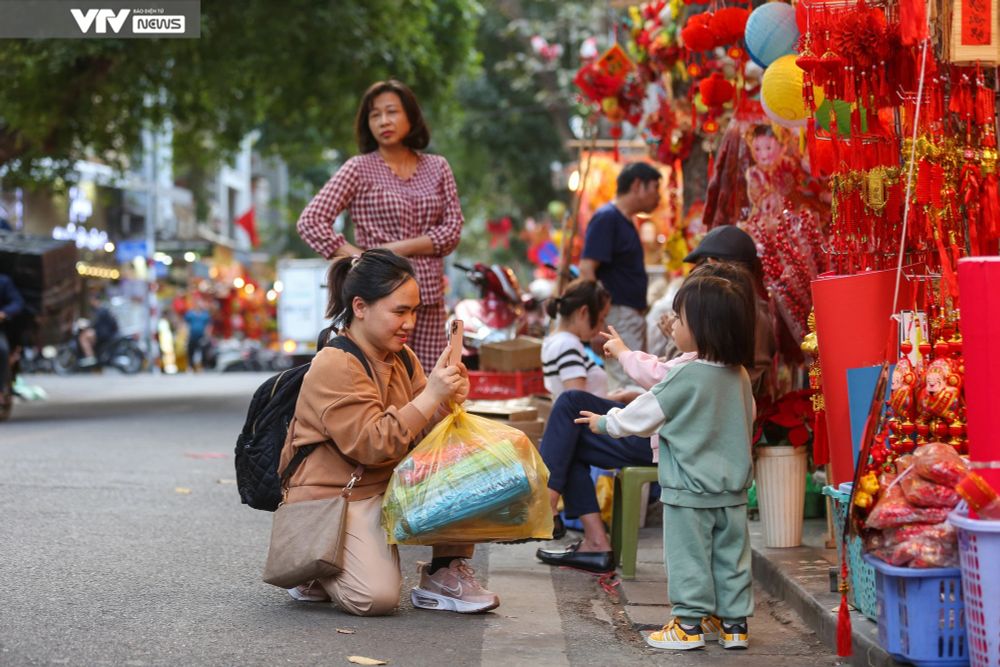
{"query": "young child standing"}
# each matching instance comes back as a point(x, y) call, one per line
point(703, 411)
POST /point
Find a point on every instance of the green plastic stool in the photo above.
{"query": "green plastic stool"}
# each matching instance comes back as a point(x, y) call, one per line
point(625, 515)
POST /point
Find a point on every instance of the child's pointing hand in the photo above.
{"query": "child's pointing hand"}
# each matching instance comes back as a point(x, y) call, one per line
point(590, 419)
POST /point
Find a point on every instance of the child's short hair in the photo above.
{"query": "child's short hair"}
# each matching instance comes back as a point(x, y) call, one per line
point(717, 305)
point(580, 292)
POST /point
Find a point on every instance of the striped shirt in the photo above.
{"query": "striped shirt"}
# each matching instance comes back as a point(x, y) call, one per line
point(564, 358)
point(385, 208)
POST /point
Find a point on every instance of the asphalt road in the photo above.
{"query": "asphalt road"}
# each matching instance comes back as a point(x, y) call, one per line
point(124, 543)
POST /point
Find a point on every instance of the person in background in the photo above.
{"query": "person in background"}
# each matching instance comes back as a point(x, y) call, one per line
point(399, 198)
point(199, 324)
point(103, 328)
point(703, 411)
point(11, 305)
point(579, 314)
point(728, 243)
point(612, 253)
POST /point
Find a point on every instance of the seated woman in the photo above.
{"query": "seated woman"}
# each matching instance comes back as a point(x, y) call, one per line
point(373, 422)
point(576, 382)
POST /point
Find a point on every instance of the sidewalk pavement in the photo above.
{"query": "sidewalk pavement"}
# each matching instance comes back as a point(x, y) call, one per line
point(799, 576)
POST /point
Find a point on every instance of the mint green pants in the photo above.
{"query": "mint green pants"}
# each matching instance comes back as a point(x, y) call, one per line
point(707, 554)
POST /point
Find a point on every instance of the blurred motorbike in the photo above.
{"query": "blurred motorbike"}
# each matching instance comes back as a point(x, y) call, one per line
point(119, 352)
point(234, 355)
point(502, 311)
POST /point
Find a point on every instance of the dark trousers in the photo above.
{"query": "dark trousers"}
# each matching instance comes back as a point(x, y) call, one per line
point(570, 449)
point(4, 361)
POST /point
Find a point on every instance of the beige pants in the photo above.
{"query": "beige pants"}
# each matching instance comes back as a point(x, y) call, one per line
point(631, 325)
point(370, 582)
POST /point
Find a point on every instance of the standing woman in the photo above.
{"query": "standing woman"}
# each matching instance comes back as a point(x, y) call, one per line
point(399, 198)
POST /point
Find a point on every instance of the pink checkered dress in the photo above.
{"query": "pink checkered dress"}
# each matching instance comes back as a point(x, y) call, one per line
point(384, 208)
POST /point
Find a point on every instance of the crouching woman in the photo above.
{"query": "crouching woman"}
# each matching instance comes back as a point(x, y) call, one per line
point(373, 421)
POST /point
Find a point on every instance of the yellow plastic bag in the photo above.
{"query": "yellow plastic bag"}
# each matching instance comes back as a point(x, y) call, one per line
point(471, 479)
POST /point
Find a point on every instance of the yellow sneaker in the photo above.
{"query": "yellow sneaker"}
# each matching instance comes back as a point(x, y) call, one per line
point(711, 626)
point(675, 637)
point(734, 635)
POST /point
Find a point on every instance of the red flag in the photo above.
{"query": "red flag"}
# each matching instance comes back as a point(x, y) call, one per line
point(246, 221)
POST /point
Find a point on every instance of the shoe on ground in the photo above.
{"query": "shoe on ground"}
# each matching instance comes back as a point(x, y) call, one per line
point(452, 588)
point(675, 637)
point(734, 635)
point(711, 627)
point(311, 592)
point(592, 561)
point(87, 362)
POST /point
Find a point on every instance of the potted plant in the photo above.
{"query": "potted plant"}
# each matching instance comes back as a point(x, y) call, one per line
point(782, 439)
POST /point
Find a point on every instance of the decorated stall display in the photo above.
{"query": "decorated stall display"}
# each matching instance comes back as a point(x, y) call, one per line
point(612, 85)
point(784, 227)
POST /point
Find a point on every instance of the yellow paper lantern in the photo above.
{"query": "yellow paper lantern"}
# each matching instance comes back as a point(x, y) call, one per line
point(781, 93)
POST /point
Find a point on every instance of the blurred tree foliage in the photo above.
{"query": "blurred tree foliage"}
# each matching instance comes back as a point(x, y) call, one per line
point(293, 71)
point(514, 116)
point(500, 109)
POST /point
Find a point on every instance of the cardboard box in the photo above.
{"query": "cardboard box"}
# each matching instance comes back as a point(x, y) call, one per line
point(520, 354)
point(533, 429)
point(515, 409)
point(518, 413)
point(543, 404)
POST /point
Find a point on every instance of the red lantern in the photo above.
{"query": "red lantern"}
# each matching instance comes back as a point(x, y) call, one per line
point(697, 36)
point(715, 90)
point(728, 24)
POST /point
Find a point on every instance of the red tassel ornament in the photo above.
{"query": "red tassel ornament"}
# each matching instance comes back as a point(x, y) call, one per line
point(844, 613)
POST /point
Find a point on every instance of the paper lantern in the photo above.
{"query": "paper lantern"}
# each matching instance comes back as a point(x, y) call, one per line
point(697, 37)
point(771, 33)
point(781, 93)
point(728, 24)
point(715, 90)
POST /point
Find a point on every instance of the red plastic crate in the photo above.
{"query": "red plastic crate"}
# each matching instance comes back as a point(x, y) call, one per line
point(505, 384)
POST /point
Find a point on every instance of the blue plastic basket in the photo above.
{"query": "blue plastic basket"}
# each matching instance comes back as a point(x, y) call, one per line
point(979, 548)
point(861, 594)
point(921, 615)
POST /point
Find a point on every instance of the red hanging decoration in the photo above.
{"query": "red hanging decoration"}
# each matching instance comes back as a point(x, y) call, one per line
point(844, 613)
point(716, 90)
point(616, 134)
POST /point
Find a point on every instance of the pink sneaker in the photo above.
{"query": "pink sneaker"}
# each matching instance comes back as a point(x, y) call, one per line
point(452, 588)
point(311, 592)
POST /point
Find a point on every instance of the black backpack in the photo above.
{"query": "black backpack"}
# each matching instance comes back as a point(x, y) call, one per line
point(258, 447)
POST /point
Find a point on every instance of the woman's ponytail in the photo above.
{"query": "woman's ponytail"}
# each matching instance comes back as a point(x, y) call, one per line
point(580, 292)
point(372, 275)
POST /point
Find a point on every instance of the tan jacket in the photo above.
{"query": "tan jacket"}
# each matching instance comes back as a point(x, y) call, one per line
point(372, 422)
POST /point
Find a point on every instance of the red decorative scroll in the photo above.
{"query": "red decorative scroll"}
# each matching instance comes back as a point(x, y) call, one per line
point(977, 23)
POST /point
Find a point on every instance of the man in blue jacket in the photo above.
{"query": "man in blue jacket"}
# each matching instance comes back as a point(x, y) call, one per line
point(11, 305)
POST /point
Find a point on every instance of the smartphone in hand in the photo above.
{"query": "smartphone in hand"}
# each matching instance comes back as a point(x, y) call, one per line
point(455, 338)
